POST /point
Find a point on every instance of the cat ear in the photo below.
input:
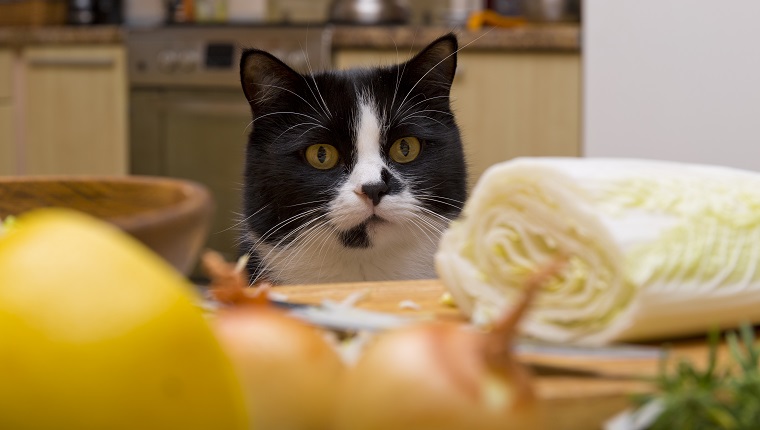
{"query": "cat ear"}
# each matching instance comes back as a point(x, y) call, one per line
point(436, 63)
point(266, 80)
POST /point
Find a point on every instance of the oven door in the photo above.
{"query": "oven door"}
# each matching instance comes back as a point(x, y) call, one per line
point(199, 135)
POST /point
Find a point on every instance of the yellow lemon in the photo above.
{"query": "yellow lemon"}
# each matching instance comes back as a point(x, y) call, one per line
point(97, 332)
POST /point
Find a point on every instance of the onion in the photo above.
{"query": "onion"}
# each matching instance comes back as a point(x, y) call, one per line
point(443, 376)
point(289, 372)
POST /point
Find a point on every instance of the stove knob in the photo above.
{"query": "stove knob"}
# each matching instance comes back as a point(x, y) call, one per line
point(189, 61)
point(168, 61)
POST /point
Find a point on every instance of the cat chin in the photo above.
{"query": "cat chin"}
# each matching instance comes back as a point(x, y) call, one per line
point(397, 252)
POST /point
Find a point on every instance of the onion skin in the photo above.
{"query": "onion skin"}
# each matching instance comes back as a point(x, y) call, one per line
point(434, 377)
point(288, 371)
point(445, 376)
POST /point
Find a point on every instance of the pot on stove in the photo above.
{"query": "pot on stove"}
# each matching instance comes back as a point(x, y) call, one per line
point(370, 12)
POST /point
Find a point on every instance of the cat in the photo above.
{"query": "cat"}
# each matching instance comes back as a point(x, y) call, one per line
point(350, 175)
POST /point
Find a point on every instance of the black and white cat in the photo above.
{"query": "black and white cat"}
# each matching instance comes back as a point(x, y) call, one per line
point(350, 175)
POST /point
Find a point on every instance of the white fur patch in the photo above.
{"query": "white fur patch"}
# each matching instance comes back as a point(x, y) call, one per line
point(369, 162)
point(351, 207)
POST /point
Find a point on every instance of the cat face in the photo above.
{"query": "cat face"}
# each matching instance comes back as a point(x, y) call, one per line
point(350, 175)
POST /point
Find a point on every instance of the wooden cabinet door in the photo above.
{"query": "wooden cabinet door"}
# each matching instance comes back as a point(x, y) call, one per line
point(518, 104)
point(75, 110)
point(206, 136)
point(7, 148)
point(507, 103)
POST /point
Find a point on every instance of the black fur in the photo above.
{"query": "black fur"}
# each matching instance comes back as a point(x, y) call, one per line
point(280, 184)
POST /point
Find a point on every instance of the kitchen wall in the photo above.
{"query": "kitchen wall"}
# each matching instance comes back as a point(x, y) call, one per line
point(673, 79)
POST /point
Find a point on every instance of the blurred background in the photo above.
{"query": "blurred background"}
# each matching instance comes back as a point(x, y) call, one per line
point(151, 87)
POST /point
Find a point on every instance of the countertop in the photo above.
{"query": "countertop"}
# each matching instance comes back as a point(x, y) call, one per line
point(21, 36)
point(555, 37)
point(581, 387)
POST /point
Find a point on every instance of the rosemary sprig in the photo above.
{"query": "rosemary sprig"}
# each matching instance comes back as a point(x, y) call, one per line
point(712, 399)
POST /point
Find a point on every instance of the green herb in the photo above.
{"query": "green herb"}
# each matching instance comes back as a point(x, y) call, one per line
point(712, 399)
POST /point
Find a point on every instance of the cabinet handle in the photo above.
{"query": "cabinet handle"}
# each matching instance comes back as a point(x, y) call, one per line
point(72, 62)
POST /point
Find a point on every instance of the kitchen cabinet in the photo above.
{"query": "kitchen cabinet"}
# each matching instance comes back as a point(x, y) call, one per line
point(7, 149)
point(507, 103)
point(74, 110)
point(196, 135)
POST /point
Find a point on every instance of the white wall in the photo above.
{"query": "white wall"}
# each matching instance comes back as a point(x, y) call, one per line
point(673, 79)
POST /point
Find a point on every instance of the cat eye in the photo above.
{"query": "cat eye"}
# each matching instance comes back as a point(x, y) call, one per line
point(405, 150)
point(322, 156)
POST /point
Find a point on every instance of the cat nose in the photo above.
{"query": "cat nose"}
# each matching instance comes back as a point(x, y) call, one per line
point(375, 191)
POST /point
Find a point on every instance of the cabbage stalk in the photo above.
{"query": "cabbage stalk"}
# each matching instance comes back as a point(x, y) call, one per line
point(654, 249)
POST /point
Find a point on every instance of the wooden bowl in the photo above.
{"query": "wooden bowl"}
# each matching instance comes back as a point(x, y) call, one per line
point(170, 216)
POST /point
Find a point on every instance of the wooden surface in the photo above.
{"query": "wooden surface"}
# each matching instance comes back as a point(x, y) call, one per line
point(6, 74)
point(169, 216)
point(61, 35)
point(581, 390)
point(75, 110)
point(552, 37)
point(507, 104)
point(7, 147)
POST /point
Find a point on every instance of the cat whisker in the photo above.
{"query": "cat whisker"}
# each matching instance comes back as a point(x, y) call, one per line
point(434, 216)
point(298, 125)
point(425, 116)
point(420, 223)
point(312, 128)
point(287, 247)
point(306, 240)
point(328, 234)
point(321, 106)
point(307, 203)
point(280, 225)
point(399, 75)
point(245, 130)
point(411, 123)
point(259, 242)
point(436, 111)
point(426, 99)
point(313, 79)
point(438, 217)
point(412, 226)
point(403, 110)
point(294, 93)
point(284, 113)
point(445, 198)
point(433, 232)
point(276, 247)
point(421, 190)
point(237, 224)
point(431, 199)
point(441, 61)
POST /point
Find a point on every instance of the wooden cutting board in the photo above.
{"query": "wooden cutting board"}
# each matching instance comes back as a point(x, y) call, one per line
point(582, 389)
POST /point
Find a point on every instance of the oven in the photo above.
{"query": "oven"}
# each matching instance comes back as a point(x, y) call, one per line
point(188, 115)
